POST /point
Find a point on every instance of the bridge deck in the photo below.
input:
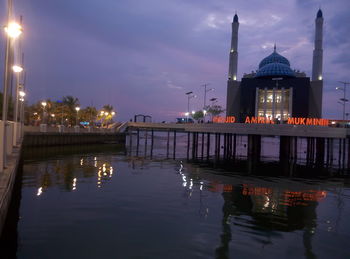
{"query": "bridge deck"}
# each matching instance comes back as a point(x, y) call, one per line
point(249, 129)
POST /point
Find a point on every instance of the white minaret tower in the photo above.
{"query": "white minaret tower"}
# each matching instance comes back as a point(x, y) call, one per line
point(232, 71)
point(318, 51)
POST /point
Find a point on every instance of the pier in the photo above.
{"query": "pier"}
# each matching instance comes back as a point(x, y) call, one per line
point(219, 141)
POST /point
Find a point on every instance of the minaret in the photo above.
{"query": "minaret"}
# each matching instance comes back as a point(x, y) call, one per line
point(318, 51)
point(232, 71)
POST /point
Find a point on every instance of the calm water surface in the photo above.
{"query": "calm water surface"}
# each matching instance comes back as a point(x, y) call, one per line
point(101, 203)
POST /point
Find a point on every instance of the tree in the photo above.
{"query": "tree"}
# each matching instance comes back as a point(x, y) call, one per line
point(106, 114)
point(215, 110)
point(198, 115)
point(71, 102)
point(88, 114)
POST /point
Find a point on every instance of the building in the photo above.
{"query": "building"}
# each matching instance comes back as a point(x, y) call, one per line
point(275, 90)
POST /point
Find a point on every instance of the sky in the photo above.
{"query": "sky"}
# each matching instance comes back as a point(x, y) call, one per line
point(142, 56)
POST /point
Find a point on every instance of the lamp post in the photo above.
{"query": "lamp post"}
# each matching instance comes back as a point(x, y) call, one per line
point(77, 109)
point(213, 101)
point(13, 30)
point(22, 94)
point(343, 100)
point(205, 93)
point(17, 70)
point(190, 95)
point(43, 103)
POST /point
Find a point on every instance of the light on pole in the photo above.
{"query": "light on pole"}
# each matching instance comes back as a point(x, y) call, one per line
point(205, 93)
point(213, 101)
point(190, 95)
point(17, 70)
point(44, 105)
point(22, 94)
point(77, 109)
point(343, 100)
point(13, 30)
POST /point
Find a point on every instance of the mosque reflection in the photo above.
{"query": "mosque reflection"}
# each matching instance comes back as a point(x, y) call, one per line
point(270, 211)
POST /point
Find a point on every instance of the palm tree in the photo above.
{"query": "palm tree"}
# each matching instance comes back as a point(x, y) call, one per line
point(106, 114)
point(70, 102)
point(88, 114)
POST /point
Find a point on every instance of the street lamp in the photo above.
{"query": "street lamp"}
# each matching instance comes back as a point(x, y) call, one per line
point(44, 105)
point(190, 95)
point(205, 93)
point(77, 109)
point(213, 101)
point(22, 94)
point(13, 30)
point(17, 69)
point(343, 100)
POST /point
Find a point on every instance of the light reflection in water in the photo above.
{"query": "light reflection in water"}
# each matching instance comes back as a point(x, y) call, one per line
point(40, 191)
point(74, 184)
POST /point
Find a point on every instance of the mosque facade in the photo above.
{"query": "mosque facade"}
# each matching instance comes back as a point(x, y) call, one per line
point(275, 91)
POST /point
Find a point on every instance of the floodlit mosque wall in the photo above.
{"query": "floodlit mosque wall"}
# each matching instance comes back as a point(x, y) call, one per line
point(260, 97)
point(273, 103)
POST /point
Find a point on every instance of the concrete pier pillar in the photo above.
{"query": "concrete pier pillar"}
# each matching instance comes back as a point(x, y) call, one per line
point(287, 154)
point(146, 140)
point(348, 140)
point(216, 146)
point(197, 138)
point(137, 142)
point(343, 153)
point(202, 153)
point(174, 148)
point(339, 153)
point(320, 152)
point(193, 145)
point(130, 141)
point(310, 151)
point(219, 146)
point(168, 143)
point(152, 142)
point(208, 146)
point(234, 147)
point(253, 152)
point(188, 145)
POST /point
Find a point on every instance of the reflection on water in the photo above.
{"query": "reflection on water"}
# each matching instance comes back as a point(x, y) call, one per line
point(99, 203)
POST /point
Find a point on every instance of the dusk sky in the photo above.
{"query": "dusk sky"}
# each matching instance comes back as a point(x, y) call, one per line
point(142, 56)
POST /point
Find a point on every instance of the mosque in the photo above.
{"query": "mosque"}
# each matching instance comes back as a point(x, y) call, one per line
point(275, 91)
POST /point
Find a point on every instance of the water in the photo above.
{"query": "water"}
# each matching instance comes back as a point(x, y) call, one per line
point(98, 202)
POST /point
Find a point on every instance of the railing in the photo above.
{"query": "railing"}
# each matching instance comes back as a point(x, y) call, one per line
point(10, 136)
point(76, 129)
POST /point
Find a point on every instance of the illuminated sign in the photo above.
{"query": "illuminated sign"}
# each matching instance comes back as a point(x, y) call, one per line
point(259, 120)
point(227, 119)
point(308, 121)
point(265, 120)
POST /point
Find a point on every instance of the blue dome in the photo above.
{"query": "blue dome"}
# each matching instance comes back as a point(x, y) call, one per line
point(274, 58)
point(275, 69)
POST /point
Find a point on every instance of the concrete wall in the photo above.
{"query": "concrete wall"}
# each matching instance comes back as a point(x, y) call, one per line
point(32, 139)
point(7, 181)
